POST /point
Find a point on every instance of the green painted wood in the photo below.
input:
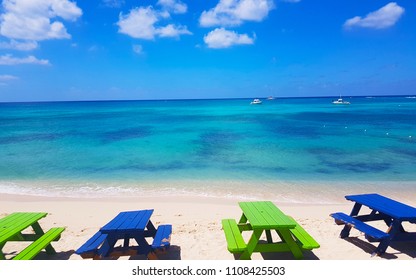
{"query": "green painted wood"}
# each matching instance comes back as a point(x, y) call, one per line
point(291, 243)
point(251, 245)
point(235, 241)
point(13, 224)
point(265, 215)
point(304, 238)
point(34, 248)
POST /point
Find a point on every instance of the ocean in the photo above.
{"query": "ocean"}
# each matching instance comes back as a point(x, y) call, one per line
point(287, 149)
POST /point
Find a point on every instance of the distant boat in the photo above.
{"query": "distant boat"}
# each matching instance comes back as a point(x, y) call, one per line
point(340, 101)
point(256, 101)
point(270, 98)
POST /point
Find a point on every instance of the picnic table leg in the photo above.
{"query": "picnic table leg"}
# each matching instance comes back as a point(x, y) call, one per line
point(345, 232)
point(2, 257)
point(106, 248)
point(394, 229)
point(243, 219)
point(39, 232)
point(144, 246)
point(252, 243)
point(293, 246)
point(151, 228)
point(269, 236)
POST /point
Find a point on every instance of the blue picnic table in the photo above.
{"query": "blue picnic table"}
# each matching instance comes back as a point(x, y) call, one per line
point(392, 212)
point(125, 227)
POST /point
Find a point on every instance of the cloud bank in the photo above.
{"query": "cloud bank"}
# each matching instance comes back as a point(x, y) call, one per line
point(385, 17)
point(141, 23)
point(235, 12)
point(11, 60)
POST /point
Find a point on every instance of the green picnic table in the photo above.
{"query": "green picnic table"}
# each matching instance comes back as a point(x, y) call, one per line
point(15, 228)
point(263, 217)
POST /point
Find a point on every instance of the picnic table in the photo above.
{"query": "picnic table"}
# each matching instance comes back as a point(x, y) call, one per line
point(15, 228)
point(125, 227)
point(263, 217)
point(392, 212)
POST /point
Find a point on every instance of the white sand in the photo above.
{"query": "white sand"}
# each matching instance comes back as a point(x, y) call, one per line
point(197, 233)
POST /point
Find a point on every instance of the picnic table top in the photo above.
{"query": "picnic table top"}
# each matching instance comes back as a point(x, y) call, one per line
point(128, 221)
point(17, 222)
point(385, 205)
point(265, 215)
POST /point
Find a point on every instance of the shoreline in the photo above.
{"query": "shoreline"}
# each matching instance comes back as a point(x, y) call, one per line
point(296, 192)
point(196, 221)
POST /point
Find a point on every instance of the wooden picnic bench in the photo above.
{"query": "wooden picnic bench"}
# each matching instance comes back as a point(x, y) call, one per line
point(263, 217)
point(392, 212)
point(125, 226)
point(13, 228)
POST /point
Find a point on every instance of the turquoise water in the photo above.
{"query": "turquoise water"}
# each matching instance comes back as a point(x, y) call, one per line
point(120, 146)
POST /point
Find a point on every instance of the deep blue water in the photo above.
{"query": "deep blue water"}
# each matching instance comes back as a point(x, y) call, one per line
point(137, 141)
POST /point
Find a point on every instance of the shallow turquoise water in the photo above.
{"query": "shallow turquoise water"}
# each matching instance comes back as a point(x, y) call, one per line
point(71, 144)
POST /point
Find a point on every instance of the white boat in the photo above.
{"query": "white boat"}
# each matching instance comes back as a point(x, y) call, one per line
point(256, 101)
point(340, 101)
point(270, 98)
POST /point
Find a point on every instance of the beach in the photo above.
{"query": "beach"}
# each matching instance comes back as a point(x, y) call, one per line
point(192, 161)
point(196, 221)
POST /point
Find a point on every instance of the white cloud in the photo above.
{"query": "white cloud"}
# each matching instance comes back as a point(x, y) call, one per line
point(221, 38)
point(384, 17)
point(33, 19)
point(18, 45)
point(235, 12)
point(173, 31)
point(10, 60)
point(6, 78)
point(175, 6)
point(141, 22)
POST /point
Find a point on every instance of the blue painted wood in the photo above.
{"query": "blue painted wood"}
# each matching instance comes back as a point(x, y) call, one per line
point(128, 221)
point(92, 244)
point(361, 226)
point(390, 207)
point(162, 238)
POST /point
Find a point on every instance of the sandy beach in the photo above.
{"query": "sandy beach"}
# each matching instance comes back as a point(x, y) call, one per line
point(196, 221)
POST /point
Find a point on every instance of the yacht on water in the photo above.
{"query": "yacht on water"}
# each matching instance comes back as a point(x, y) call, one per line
point(340, 101)
point(256, 101)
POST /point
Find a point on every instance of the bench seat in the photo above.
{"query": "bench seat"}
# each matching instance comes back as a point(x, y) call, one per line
point(304, 239)
point(162, 237)
point(371, 233)
point(39, 244)
point(90, 248)
point(235, 241)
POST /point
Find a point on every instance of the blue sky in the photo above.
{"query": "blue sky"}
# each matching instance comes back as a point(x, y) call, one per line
point(169, 49)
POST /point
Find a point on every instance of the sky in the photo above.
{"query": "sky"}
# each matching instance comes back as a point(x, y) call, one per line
point(64, 50)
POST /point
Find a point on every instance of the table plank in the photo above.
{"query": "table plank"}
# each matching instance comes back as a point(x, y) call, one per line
point(128, 221)
point(17, 222)
point(265, 215)
point(386, 205)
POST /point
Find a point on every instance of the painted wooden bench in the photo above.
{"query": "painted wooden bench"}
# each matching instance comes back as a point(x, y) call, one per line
point(235, 241)
point(90, 248)
point(371, 233)
point(54, 234)
point(162, 237)
point(305, 240)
